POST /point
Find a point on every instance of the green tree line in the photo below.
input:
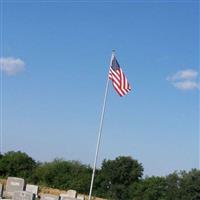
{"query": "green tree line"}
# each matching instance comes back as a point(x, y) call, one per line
point(118, 179)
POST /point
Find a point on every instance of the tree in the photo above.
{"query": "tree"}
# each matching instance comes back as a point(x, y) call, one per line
point(64, 175)
point(190, 185)
point(16, 164)
point(173, 187)
point(150, 188)
point(116, 176)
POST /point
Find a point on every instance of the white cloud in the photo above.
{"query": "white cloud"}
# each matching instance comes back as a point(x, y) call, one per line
point(11, 66)
point(186, 85)
point(184, 74)
point(185, 79)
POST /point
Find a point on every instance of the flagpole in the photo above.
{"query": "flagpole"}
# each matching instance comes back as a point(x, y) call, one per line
point(100, 129)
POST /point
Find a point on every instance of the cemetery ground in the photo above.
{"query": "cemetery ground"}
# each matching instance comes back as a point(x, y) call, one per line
point(48, 190)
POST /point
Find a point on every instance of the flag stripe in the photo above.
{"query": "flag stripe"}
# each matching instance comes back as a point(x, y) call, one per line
point(116, 74)
point(118, 90)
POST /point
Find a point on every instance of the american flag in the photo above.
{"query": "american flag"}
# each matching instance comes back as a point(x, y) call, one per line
point(119, 80)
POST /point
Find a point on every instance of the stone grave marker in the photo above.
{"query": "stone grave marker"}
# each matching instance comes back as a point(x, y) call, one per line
point(13, 184)
point(69, 198)
point(22, 195)
point(80, 197)
point(1, 190)
point(62, 195)
point(71, 193)
point(49, 197)
point(33, 189)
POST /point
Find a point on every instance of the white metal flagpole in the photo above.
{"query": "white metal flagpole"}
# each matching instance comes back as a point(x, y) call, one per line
point(100, 129)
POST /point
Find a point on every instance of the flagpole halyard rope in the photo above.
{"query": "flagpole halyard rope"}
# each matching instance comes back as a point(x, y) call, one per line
point(100, 131)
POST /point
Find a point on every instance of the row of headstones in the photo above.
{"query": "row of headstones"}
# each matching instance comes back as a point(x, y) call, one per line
point(15, 190)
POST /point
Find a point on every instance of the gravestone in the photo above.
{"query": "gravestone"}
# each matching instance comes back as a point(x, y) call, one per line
point(49, 197)
point(80, 197)
point(71, 193)
point(65, 196)
point(13, 184)
point(69, 198)
point(22, 195)
point(62, 196)
point(1, 190)
point(32, 188)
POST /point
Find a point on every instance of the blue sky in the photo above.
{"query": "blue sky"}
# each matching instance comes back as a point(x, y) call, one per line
point(54, 63)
